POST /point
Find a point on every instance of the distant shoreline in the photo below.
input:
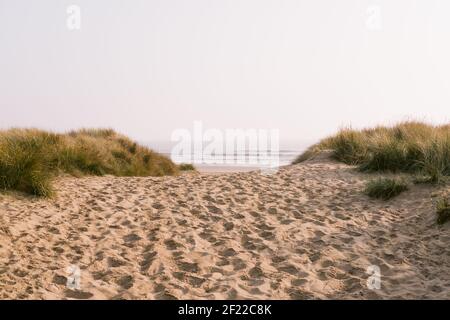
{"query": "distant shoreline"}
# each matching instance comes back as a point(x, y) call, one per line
point(286, 157)
point(218, 169)
point(288, 152)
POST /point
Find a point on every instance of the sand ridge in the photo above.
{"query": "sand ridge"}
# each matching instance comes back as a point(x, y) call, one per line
point(306, 232)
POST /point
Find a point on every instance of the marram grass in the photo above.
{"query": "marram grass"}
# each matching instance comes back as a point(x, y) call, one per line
point(385, 188)
point(186, 167)
point(443, 210)
point(31, 158)
point(411, 147)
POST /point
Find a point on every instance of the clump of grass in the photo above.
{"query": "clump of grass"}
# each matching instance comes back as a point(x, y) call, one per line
point(186, 167)
point(422, 179)
point(411, 147)
point(443, 210)
point(30, 158)
point(385, 188)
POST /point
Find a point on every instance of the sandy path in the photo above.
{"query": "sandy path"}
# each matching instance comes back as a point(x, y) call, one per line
point(305, 232)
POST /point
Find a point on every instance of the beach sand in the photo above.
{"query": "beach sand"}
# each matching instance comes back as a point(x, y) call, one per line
point(306, 232)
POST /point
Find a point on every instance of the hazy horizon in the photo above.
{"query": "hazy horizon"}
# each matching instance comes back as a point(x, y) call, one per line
point(147, 68)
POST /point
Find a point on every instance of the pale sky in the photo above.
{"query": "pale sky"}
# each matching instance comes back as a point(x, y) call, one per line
point(148, 67)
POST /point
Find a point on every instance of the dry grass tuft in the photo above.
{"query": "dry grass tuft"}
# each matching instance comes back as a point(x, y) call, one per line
point(385, 188)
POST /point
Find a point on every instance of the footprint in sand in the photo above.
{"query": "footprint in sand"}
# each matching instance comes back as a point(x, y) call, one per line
point(195, 281)
point(75, 294)
point(228, 226)
point(126, 282)
point(188, 266)
point(114, 262)
point(297, 294)
point(228, 252)
point(238, 264)
point(288, 268)
point(131, 238)
point(172, 244)
point(256, 272)
point(58, 279)
point(148, 256)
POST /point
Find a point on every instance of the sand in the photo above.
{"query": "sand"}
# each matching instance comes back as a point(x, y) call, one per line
point(306, 232)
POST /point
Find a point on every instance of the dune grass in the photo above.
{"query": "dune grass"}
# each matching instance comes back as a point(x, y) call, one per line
point(411, 147)
point(443, 210)
point(31, 158)
point(186, 167)
point(385, 188)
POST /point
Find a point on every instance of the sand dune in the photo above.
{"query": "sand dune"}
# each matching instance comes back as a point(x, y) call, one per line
point(306, 232)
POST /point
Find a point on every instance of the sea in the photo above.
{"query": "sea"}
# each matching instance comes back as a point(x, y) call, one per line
point(237, 161)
